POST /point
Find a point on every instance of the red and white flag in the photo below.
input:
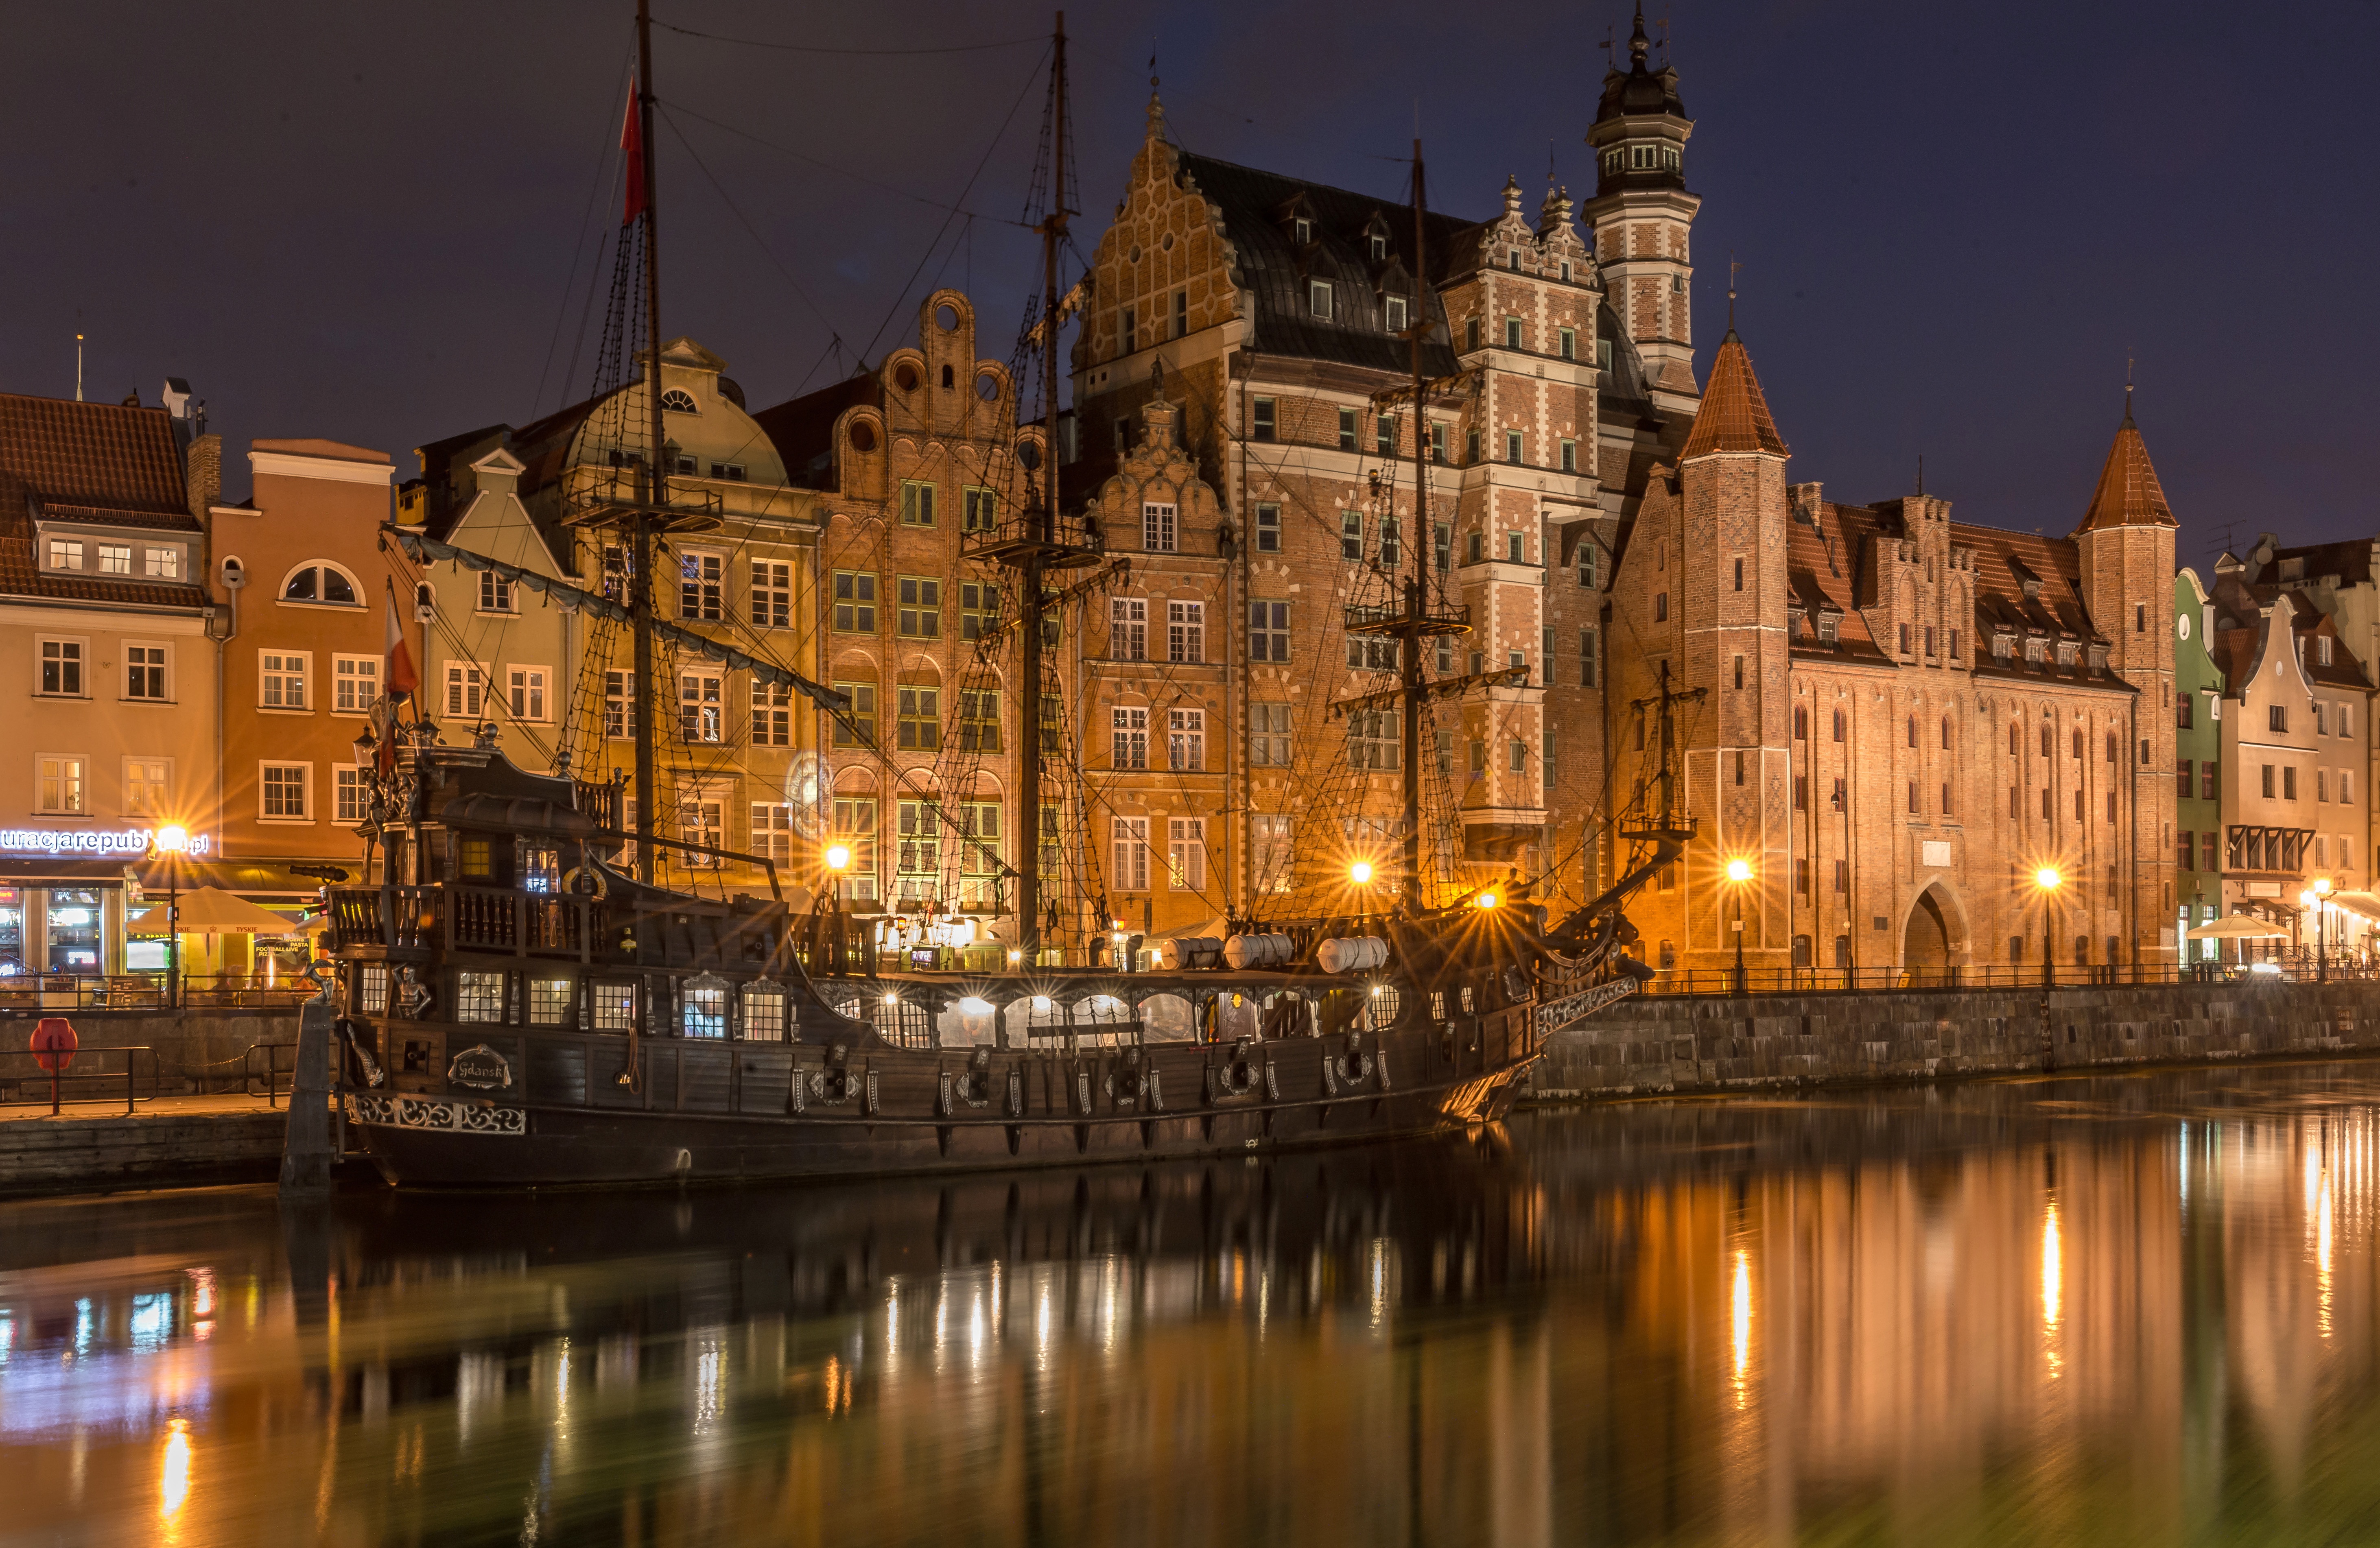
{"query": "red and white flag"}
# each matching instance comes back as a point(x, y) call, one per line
point(402, 678)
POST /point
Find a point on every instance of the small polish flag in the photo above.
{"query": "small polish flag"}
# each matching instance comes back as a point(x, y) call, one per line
point(402, 677)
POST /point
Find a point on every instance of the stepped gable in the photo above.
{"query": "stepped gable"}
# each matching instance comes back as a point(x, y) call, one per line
point(1734, 413)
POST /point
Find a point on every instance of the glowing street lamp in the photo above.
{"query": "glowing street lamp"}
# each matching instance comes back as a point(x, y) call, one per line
point(2047, 881)
point(1360, 873)
point(173, 841)
point(1738, 873)
point(1487, 900)
point(838, 857)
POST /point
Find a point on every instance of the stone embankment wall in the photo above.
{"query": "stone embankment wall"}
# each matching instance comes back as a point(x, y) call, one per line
point(1653, 1045)
point(95, 1150)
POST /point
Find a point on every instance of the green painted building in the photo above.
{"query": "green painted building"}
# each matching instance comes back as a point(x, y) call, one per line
point(2198, 747)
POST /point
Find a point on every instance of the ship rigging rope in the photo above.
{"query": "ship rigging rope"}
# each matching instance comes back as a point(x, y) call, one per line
point(667, 105)
point(849, 52)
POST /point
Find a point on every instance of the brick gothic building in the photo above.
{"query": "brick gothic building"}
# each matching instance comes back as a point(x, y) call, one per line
point(1898, 720)
point(1864, 672)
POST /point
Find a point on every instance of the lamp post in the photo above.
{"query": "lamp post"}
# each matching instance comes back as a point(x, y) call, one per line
point(2048, 880)
point(171, 842)
point(1738, 873)
point(2321, 929)
point(838, 860)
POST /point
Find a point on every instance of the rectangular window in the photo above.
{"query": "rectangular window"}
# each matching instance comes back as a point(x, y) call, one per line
point(856, 727)
point(467, 689)
point(2206, 847)
point(1267, 631)
point(347, 806)
point(855, 601)
point(282, 682)
point(2289, 782)
point(1384, 435)
point(63, 785)
point(1569, 344)
point(115, 559)
point(527, 688)
point(1129, 862)
point(920, 853)
point(2277, 717)
point(1185, 740)
point(1375, 739)
point(2209, 786)
point(1272, 859)
point(1268, 529)
point(978, 608)
point(772, 593)
point(1346, 430)
point(163, 563)
point(917, 502)
point(1438, 443)
point(1180, 314)
point(1470, 334)
point(1127, 629)
point(65, 554)
point(1393, 309)
point(1268, 736)
point(980, 828)
point(1371, 653)
point(1317, 299)
point(2269, 782)
point(619, 705)
point(1569, 457)
point(355, 683)
point(854, 828)
point(479, 997)
point(2322, 785)
point(1351, 535)
point(1512, 446)
point(144, 672)
point(1904, 639)
point(920, 727)
point(1261, 427)
point(700, 822)
point(1441, 545)
point(1129, 725)
point(62, 668)
point(1185, 853)
point(978, 721)
point(1392, 548)
point(921, 606)
point(1185, 631)
point(702, 712)
point(1131, 330)
point(495, 592)
point(1157, 534)
point(1739, 673)
point(1519, 753)
point(285, 792)
point(1471, 444)
point(1512, 332)
point(772, 714)
point(148, 787)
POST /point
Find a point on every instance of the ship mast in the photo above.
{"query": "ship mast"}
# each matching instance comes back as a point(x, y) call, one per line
point(1028, 827)
point(1409, 651)
point(656, 490)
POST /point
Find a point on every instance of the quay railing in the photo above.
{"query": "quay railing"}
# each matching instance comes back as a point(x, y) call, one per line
point(90, 1078)
point(1724, 981)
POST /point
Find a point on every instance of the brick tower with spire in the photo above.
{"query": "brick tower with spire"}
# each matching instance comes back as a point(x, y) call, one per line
point(2126, 543)
point(1643, 215)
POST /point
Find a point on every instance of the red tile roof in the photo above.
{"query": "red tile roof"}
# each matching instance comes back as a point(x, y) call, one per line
point(115, 464)
point(2128, 494)
point(1734, 414)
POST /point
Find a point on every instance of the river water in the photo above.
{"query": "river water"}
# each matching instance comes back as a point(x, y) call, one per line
point(2130, 1309)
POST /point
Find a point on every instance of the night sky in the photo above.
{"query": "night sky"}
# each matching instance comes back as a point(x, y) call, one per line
point(377, 223)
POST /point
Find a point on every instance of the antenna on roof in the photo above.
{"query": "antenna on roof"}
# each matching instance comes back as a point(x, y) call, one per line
point(1664, 25)
point(2128, 386)
point(1610, 60)
point(1731, 267)
point(78, 368)
point(1921, 473)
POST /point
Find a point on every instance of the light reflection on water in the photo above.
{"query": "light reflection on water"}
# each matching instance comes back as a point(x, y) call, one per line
point(2098, 1310)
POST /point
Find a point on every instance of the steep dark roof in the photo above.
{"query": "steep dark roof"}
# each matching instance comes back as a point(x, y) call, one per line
point(2128, 494)
point(113, 464)
point(803, 428)
point(1257, 209)
point(1639, 89)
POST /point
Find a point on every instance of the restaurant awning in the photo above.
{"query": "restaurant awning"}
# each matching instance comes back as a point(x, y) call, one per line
point(2237, 926)
point(2363, 903)
point(210, 911)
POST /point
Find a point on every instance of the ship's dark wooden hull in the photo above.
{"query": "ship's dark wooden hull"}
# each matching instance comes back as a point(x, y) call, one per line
point(718, 1111)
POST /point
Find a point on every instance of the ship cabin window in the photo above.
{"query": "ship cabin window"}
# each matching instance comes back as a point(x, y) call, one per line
point(611, 1007)
point(540, 868)
point(479, 997)
point(764, 1013)
point(372, 986)
point(549, 1002)
point(475, 859)
point(705, 1006)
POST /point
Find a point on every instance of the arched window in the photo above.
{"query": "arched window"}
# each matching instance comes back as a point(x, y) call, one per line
point(947, 380)
point(323, 583)
point(677, 400)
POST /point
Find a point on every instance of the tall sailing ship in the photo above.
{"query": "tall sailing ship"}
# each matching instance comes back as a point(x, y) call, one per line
point(524, 1002)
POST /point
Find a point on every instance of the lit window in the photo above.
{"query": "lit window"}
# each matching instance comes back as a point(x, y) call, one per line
point(163, 563)
point(700, 715)
point(619, 705)
point(148, 787)
point(63, 785)
point(65, 554)
point(1185, 740)
point(772, 593)
point(479, 997)
point(1129, 725)
point(772, 714)
point(1185, 853)
point(115, 559)
point(701, 587)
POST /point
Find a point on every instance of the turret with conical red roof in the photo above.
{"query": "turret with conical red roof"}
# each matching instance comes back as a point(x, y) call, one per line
point(1735, 412)
point(2128, 494)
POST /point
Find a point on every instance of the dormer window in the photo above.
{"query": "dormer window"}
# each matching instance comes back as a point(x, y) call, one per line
point(2322, 650)
point(1302, 230)
point(1317, 299)
point(677, 400)
point(1829, 628)
point(1565, 270)
point(2003, 646)
point(1379, 249)
point(1512, 260)
point(1393, 308)
point(2035, 649)
point(65, 554)
point(2066, 653)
